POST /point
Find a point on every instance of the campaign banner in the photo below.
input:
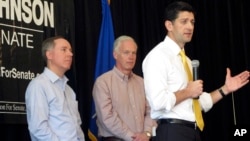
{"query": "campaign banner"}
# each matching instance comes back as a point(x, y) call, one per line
point(23, 26)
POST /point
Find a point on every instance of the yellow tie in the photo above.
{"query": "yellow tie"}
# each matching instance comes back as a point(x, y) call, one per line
point(196, 104)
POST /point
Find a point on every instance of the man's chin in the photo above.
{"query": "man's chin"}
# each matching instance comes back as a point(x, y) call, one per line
point(188, 40)
point(67, 68)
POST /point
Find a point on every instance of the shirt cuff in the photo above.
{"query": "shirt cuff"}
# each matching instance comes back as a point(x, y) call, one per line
point(206, 101)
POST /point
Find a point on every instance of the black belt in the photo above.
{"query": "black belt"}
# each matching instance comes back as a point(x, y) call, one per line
point(178, 121)
point(111, 138)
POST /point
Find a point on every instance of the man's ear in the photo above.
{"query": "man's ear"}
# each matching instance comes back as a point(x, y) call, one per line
point(48, 54)
point(168, 25)
point(115, 55)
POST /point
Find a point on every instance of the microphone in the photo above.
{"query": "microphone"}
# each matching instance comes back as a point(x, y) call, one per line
point(195, 65)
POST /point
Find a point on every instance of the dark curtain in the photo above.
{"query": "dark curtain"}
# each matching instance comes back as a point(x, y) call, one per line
point(220, 40)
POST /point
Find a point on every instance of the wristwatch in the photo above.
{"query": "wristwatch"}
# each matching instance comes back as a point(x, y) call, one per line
point(148, 134)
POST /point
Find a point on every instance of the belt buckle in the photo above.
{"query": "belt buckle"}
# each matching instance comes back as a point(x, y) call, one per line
point(195, 125)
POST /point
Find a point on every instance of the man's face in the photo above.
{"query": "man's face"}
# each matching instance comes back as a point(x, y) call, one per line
point(182, 28)
point(126, 56)
point(60, 57)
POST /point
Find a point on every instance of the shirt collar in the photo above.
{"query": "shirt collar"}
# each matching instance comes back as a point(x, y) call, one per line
point(172, 45)
point(122, 76)
point(55, 79)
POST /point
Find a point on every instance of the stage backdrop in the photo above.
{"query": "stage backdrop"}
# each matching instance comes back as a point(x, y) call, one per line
point(24, 24)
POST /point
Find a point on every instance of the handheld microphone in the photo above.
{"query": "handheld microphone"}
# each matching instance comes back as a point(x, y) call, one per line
point(195, 65)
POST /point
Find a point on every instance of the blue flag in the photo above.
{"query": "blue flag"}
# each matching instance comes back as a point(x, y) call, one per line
point(104, 60)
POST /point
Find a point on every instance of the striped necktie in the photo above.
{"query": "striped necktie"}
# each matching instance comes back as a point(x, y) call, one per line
point(196, 104)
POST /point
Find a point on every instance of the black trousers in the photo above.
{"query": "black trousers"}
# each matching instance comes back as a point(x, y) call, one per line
point(176, 132)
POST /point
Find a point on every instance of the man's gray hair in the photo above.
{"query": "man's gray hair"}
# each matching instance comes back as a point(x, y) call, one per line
point(120, 39)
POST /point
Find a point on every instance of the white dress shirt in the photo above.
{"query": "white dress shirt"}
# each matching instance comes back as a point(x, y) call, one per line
point(164, 74)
